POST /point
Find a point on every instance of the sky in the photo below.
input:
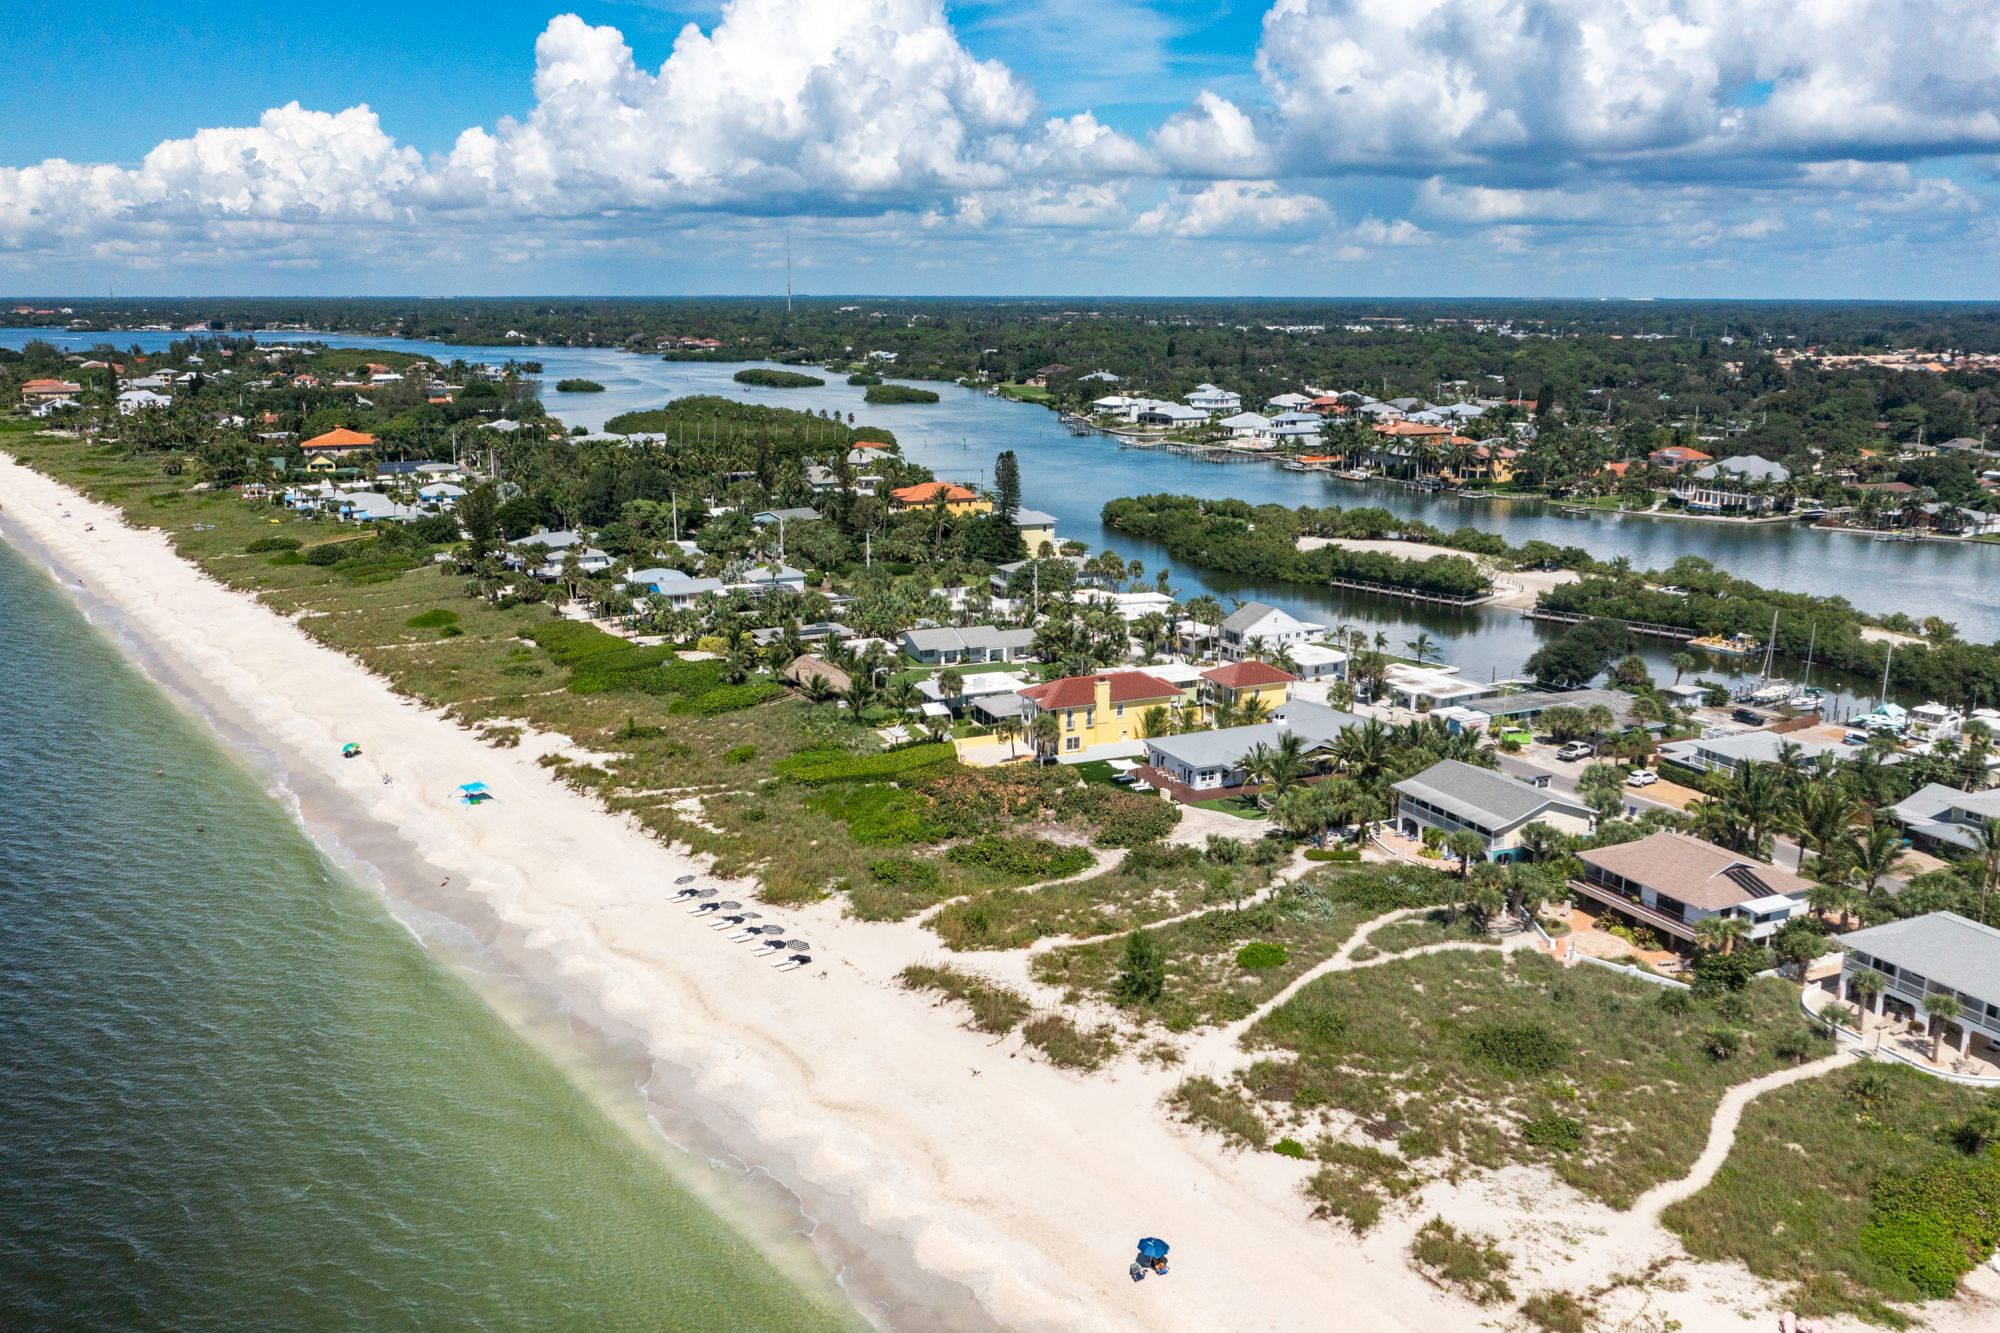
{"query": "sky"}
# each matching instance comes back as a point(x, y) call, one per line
point(1753, 148)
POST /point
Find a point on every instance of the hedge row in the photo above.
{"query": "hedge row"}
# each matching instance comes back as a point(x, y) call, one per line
point(725, 698)
point(816, 766)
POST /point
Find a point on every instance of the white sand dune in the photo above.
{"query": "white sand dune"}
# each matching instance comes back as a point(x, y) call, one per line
point(925, 1145)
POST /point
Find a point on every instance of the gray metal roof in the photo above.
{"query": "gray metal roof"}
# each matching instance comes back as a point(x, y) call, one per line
point(1749, 467)
point(944, 637)
point(1482, 795)
point(1033, 518)
point(1537, 701)
point(1315, 724)
point(1942, 946)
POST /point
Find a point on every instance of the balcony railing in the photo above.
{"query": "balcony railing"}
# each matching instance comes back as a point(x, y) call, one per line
point(1632, 906)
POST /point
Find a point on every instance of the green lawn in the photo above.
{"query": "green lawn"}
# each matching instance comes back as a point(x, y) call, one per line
point(1099, 771)
point(1026, 393)
point(1243, 807)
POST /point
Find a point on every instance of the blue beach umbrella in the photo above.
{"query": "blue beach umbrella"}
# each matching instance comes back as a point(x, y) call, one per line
point(1152, 1247)
point(471, 786)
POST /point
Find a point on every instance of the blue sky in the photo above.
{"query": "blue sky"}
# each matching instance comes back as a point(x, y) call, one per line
point(1145, 147)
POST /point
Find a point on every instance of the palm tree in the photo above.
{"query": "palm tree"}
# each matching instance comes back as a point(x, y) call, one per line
point(1046, 733)
point(1754, 802)
point(1822, 812)
point(1008, 729)
point(1720, 933)
point(1986, 847)
point(1469, 848)
point(1422, 646)
point(1830, 900)
point(1943, 1010)
point(1283, 765)
point(1682, 663)
point(1869, 985)
point(1252, 711)
point(1876, 851)
point(857, 696)
point(951, 682)
point(1155, 722)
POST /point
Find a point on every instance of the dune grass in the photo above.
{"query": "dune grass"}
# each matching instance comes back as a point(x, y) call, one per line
point(1493, 1058)
point(1793, 1198)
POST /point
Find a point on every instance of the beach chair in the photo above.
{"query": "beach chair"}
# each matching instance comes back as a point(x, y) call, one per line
point(765, 939)
point(734, 921)
point(710, 909)
point(793, 962)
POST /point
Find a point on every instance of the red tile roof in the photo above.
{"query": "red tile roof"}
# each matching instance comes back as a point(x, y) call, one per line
point(926, 492)
point(340, 437)
point(1081, 691)
point(1247, 675)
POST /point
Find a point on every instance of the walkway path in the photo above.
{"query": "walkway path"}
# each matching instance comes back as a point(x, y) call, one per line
point(1722, 1133)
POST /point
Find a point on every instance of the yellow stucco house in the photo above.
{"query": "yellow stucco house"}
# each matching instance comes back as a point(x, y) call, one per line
point(1237, 683)
point(1101, 709)
point(958, 499)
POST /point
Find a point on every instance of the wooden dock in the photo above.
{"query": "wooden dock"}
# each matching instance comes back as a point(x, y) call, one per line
point(1636, 626)
point(1411, 594)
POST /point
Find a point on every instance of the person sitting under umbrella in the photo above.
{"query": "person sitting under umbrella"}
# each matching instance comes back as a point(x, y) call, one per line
point(1152, 1258)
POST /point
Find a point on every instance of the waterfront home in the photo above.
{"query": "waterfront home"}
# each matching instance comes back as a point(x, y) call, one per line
point(1242, 684)
point(1118, 404)
point(440, 495)
point(1205, 762)
point(956, 499)
point(1317, 661)
point(1727, 754)
point(1670, 883)
point(1100, 377)
point(543, 554)
point(1129, 605)
point(1040, 379)
point(1728, 485)
point(1213, 401)
point(1527, 707)
point(1038, 531)
point(1296, 428)
point(1942, 819)
point(1423, 688)
point(1247, 426)
point(1171, 415)
point(672, 587)
point(1677, 456)
point(944, 646)
point(1261, 626)
point(1098, 711)
point(337, 443)
point(1287, 402)
point(1923, 957)
point(977, 687)
point(1452, 797)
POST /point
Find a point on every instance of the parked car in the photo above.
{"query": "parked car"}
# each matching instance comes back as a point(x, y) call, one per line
point(1576, 750)
point(1640, 777)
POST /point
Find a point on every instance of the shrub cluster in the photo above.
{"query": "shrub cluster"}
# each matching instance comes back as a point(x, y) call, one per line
point(1517, 1048)
point(1025, 858)
point(818, 766)
point(265, 545)
point(1931, 1226)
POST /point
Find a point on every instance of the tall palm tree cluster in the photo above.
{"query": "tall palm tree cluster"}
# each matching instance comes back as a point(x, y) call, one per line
point(1355, 776)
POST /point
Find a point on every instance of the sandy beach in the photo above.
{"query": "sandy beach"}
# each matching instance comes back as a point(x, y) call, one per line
point(1517, 588)
point(958, 1182)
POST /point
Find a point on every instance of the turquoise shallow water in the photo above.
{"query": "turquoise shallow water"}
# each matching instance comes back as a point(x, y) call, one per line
point(236, 1093)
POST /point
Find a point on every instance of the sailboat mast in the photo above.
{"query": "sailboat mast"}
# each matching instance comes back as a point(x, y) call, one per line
point(1887, 658)
point(1771, 647)
point(1812, 641)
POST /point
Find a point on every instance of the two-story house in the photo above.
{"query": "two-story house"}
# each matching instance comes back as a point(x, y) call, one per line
point(1233, 687)
point(1452, 797)
point(1102, 709)
point(1671, 882)
point(1256, 624)
point(1942, 819)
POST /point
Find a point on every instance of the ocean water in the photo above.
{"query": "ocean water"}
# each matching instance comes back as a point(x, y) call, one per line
point(235, 1092)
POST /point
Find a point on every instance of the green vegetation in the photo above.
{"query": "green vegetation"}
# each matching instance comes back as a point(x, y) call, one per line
point(994, 1008)
point(1066, 1045)
point(777, 379)
point(435, 618)
point(1258, 955)
point(1557, 1312)
point(1354, 1182)
point(863, 377)
point(1464, 1262)
point(1498, 1057)
point(1436, 927)
point(579, 386)
point(820, 766)
point(884, 394)
point(1864, 1187)
point(1203, 983)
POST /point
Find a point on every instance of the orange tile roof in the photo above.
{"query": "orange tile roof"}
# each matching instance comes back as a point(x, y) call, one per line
point(926, 492)
point(1081, 691)
point(340, 437)
point(1408, 428)
point(1248, 675)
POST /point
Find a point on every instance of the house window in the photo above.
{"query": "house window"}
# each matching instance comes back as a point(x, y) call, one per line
point(1121, 710)
point(1073, 743)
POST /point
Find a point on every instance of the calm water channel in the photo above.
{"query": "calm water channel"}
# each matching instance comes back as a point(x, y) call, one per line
point(1071, 477)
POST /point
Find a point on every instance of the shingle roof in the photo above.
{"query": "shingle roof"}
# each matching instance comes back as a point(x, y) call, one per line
point(1698, 873)
point(1482, 795)
point(1315, 724)
point(1943, 946)
point(1081, 691)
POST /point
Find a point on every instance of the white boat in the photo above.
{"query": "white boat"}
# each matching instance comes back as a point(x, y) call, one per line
point(1772, 692)
point(1806, 699)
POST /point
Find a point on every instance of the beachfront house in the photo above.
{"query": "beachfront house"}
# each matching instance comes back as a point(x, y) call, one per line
point(1451, 797)
point(1942, 819)
point(1670, 883)
point(672, 588)
point(1245, 684)
point(765, 518)
point(945, 646)
point(1923, 957)
point(1212, 401)
point(337, 443)
point(1099, 715)
point(1732, 485)
point(1197, 764)
point(543, 554)
point(1317, 661)
point(141, 400)
point(1259, 626)
point(773, 576)
point(371, 507)
point(1423, 689)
